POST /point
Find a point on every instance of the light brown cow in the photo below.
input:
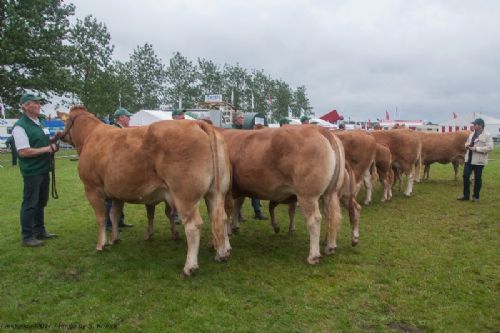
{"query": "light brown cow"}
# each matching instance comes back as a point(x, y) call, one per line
point(178, 162)
point(443, 148)
point(405, 147)
point(278, 164)
point(360, 150)
point(383, 161)
point(347, 197)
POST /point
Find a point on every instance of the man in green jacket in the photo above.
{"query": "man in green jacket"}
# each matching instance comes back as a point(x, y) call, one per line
point(34, 149)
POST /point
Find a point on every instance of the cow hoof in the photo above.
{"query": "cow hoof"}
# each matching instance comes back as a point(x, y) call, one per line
point(148, 237)
point(190, 271)
point(176, 237)
point(291, 232)
point(313, 260)
point(408, 195)
point(367, 203)
point(329, 250)
point(355, 242)
point(223, 258)
point(277, 230)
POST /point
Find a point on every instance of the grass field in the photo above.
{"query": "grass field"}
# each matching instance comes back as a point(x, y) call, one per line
point(424, 264)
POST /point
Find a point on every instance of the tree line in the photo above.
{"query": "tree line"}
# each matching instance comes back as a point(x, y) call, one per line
point(43, 52)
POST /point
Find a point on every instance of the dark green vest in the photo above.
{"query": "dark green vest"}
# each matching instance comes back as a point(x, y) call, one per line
point(38, 165)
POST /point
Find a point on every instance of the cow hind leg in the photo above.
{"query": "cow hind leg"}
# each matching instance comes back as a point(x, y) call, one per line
point(455, 168)
point(411, 179)
point(354, 214)
point(114, 215)
point(218, 217)
point(272, 207)
point(235, 226)
point(331, 207)
point(97, 201)
point(169, 211)
point(367, 180)
point(312, 215)
point(150, 212)
point(291, 215)
point(192, 228)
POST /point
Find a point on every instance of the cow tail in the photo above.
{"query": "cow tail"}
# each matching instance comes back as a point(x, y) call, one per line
point(373, 172)
point(217, 228)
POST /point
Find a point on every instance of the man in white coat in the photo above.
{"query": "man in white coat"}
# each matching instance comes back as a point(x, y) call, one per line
point(478, 145)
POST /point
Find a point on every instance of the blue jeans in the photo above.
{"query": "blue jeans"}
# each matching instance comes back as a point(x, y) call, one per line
point(256, 205)
point(478, 171)
point(35, 197)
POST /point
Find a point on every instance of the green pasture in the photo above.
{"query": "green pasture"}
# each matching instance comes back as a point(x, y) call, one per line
point(425, 264)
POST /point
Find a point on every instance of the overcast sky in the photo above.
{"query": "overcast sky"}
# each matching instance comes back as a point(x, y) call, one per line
point(425, 59)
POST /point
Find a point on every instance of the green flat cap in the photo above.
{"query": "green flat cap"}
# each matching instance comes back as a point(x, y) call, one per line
point(177, 112)
point(122, 112)
point(284, 121)
point(30, 97)
point(478, 121)
point(304, 118)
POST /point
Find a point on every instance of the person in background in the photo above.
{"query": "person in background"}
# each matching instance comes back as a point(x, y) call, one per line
point(284, 121)
point(305, 120)
point(12, 146)
point(122, 120)
point(238, 121)
point(178, 114)
point(34, 148)
point(478, 145)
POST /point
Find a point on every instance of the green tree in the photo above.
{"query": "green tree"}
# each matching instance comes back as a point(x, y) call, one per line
point(235, 84)
point(283, 99)
point(146, 74)
point(94, 80)
point(182, 79)
point(33, 53)
point(301, 102)
point(210, 77)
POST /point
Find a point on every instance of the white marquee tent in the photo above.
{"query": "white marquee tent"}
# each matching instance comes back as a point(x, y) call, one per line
point(461, 122)
point(146, 117)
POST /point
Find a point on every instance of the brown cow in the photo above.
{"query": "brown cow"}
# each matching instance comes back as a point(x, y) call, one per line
point(347, 198)
point(405, 147)
point(443, 148)
point(360, 149)
point(383, 161)
point(178, 162)
point(278, 164)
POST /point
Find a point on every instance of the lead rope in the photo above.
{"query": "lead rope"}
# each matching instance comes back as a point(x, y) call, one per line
point(53, 168)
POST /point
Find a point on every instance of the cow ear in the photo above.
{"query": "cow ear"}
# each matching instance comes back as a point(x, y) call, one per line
point(63, 116)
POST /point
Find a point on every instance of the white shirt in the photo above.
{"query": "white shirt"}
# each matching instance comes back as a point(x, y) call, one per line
point(20, 136)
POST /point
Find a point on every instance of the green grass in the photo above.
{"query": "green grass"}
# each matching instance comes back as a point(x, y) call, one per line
point(424, 264)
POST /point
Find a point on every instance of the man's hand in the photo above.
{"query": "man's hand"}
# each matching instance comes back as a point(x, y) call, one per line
point(54, 147)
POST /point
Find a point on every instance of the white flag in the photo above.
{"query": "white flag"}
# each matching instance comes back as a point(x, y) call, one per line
point(232, 97)
point(289, 112)
point(253, 105)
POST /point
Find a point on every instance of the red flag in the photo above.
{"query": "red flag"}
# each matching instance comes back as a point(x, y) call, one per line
point(386, 115)
point(454, 115)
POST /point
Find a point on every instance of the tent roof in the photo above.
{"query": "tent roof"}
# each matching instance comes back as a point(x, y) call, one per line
point(332, 116)
point(146, 117)
point(467, 119)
